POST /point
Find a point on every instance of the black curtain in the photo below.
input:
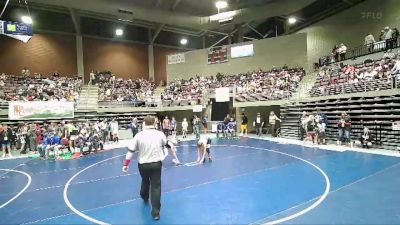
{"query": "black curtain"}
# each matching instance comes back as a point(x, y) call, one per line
point(220, 109)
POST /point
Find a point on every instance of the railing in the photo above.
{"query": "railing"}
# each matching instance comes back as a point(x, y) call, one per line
point(362, 50)
point(119, 104)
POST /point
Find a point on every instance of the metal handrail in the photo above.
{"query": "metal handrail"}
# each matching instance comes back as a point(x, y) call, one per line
point(362, 50)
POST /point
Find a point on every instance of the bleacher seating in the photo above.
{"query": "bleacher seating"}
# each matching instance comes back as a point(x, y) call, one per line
point(372, 75)
point(376, 113)
point(18, 88)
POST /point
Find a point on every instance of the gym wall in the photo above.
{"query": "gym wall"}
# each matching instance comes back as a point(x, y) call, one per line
point(129, 61)
point(290, 50)
point(42, 54)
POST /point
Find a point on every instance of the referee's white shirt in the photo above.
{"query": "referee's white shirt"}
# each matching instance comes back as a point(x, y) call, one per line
point(150, 144)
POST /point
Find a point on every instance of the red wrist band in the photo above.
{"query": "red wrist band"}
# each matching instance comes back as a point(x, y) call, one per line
point(126, 162)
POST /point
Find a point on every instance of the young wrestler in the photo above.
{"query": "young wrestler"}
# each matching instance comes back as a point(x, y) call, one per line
point(171, 145)
point(203, 147)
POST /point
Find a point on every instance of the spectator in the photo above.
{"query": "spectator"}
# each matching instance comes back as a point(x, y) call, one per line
point(243, 127)
point(395, 36)
point(25, 72)
point(335, 53)
point(396, 68)
point(258, 124)
point(303, 125)
point(196, 126)
point(114, 130)
point(382, 35)
point(166, 126)
point(344, 125)
point(342, 51)
point(134, 127)
point(388, 37)
point(369, 42)
point(311, 129)
point(185, 126)
point(32, 136)
point(321, 134)
point(272, 121)
point(174, 126)
point(5, 140)
point(366, 138)
point(52, 142)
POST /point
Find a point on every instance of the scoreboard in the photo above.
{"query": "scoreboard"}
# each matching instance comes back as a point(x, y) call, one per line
point(217, 55)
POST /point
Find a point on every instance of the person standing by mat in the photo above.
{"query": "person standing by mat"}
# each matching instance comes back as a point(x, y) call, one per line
point(150, 144)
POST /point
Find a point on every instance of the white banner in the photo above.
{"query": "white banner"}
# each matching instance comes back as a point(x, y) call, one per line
point(222, 94)
point(197, 108)
point(40, 110)
point(176, 59)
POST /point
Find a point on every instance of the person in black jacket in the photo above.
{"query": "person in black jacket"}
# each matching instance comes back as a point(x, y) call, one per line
point(5, 140)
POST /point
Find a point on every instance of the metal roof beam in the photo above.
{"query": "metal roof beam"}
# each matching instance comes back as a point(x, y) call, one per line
point(76, 21)
point(159, 29)
point(175, 4)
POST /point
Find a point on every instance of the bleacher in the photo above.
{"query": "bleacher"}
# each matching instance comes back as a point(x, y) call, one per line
point(322, 88)
point(334, 81)
point(376, 113)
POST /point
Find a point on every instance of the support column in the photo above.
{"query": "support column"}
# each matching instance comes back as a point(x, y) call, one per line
point(239, 34)
point(203, 39)
point(79, 57)
point(151, 62)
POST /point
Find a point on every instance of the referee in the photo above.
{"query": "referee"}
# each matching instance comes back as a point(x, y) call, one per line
point(150, 144)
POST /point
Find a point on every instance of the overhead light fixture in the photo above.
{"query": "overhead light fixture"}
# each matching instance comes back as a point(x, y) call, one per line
point(26, 19)
point(292, 20)
point(221, 4)
point(119, 32)
point(223, 16)
point(184, 41)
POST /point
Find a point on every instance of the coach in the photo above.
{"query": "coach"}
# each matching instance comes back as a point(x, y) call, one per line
point(150, 144)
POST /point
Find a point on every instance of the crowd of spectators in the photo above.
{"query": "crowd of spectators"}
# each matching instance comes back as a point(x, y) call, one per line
point(278, 83)
point(381, 71)
point(119, 89)
point(58, 138)
point(38, 88)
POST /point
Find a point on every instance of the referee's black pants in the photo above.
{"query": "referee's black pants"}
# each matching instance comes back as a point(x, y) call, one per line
point(151, 184)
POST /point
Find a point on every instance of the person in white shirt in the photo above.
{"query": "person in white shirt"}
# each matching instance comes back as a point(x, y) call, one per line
point(396, 68)
point(321, 135)
point(114, 130)
point(369, 42)
point(149, 144)
point(342, 51)
point(272, 121)
point(92, 77)
point(185, 126)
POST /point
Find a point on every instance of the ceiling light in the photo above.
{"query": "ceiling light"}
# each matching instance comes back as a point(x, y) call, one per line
point(184, 41)
point(119, 32)
point(26, 19)
point(221, 4)
point(292, 20)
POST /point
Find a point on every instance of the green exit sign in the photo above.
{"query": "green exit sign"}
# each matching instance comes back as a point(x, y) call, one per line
point(11, 27)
